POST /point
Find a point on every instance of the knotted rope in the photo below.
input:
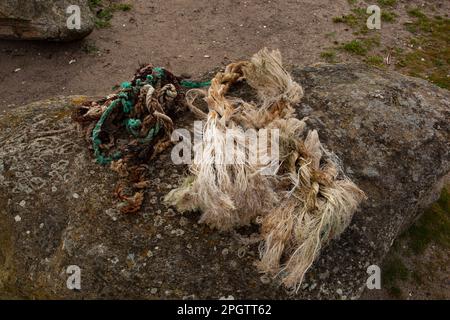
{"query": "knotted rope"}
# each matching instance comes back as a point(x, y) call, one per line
point(128, 128)
point(306, 203)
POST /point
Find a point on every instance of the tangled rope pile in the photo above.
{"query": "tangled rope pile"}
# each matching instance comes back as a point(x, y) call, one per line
point(304, 204)
point(307, 203)
point(131, 127)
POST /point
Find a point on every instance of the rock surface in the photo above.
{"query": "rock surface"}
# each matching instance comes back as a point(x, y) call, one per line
point(57, 208)
point(43, 20)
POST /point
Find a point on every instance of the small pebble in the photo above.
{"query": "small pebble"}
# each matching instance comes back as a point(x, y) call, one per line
point(75, 195)
point(22, 203)
point(17, 218)
point(153, 290)
point(115, 260)
point(324, 275)
point(241, 252)
point(178, 232)
point(183, 221)
point(265, 279)
point(158, 221)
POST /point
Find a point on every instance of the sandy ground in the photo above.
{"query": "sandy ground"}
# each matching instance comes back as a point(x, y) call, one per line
point(185, 36)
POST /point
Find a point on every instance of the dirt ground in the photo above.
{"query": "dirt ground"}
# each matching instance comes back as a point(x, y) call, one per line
point(193, 37)
point(185, 36)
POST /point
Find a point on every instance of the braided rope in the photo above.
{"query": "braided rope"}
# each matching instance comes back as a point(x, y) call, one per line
point(126, 98)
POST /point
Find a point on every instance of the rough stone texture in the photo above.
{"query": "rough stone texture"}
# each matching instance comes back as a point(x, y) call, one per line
point(42, 20)
point(391, 132)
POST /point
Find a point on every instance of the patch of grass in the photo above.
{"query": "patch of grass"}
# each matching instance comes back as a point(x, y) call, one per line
point(361, 46)
point(395, 292)
point(387, 3)
point(358, 17)
point(357, 20)
point(90, 48)
point(417, 13)
point(122, 7)
point(388, 16)
point(350, 20)
point(329, 56)
point(355, 47)
point(432, 227)
point(430, 57)
point(104, 11)
point(394, 270)
point(352, 2)
point(94, 3)
point(377, 61)
point(371, 42)
point(102, 19)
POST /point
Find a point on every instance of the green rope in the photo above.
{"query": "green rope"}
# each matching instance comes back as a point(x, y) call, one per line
point(133, 125)
point(195, 84)
point(159, 72)
point(95, 136)
point(126, 98)
point(151, 134)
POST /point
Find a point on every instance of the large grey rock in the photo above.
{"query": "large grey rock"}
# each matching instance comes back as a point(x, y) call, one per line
point(42, 20)
point(57, 208)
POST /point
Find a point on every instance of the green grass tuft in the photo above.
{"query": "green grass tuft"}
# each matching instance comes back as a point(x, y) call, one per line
point(122, 7)
point(90, 48)
point(375, 61)
point(395, 292)
point(432, 227)
point(387, 16)
point(361, 46)
point(94, 3)
point(417, 13)
point(387, 3)
point(104, 12)
point(329, 56)
point(432, 60)
point(393, 271)
point(355, 47)
point(355, 19)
